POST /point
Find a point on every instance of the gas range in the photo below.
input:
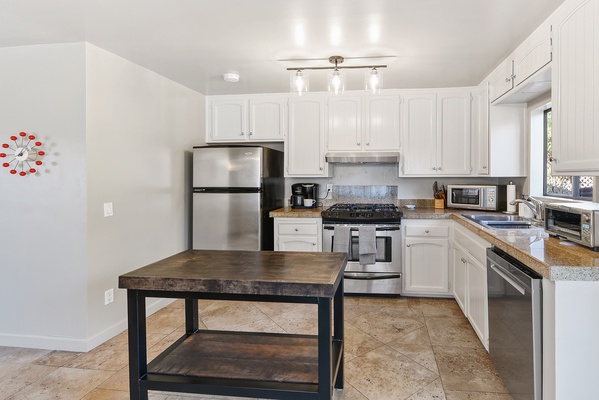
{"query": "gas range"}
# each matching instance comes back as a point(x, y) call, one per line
point(368, 213)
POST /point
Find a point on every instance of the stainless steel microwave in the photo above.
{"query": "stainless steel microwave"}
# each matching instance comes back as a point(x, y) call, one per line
point(477, 197)
point(577, 222)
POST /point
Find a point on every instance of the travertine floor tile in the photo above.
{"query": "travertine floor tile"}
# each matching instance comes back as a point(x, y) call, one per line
point(455, 331)
point(440, 308)
point(357, 342)
point(466, 369)
point(453, 395)
point(416, 345)
point(385, 374)
point(231, 315)
point(63, 384)
point(432, 391)
point(14, 377)
point(303, 320)
point(21, 355)
point(388, 324)
point(103, 394)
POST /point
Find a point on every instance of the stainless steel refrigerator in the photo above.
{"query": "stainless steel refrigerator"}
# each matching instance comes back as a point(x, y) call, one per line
point(234, 189)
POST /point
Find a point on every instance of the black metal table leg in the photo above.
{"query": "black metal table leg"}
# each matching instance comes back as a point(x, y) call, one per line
point(325, 372)
point(138, 357)
point(338, 331)
point(191, 316)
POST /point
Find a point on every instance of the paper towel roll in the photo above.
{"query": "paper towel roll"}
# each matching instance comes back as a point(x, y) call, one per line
point(511, 196)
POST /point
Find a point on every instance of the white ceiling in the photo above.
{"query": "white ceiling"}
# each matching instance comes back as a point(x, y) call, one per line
point(435, 43)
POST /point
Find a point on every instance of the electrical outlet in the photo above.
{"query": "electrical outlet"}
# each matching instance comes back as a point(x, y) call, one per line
point(108, 296)
point(108, 212)
point(329, 187)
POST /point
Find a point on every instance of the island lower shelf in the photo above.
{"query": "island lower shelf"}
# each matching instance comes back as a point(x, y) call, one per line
point(242, 359)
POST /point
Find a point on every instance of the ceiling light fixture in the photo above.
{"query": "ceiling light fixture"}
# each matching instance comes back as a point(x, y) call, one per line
point(231, 77)
point(336, 77)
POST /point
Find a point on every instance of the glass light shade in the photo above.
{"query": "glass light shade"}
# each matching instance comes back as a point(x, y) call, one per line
point(373, 80)
point(299, 82)
point(336, 80)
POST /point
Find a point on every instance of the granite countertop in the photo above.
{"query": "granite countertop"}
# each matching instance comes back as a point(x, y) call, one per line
point(288, 212)
point(554, 259)
point(264, 272)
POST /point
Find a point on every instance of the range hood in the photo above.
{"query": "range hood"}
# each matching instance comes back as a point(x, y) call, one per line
point(359, 157)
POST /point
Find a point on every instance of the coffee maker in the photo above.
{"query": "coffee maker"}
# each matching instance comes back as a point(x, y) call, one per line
point(304, 191)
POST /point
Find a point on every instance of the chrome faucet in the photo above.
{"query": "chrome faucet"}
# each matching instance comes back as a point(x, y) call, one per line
point(536, 206)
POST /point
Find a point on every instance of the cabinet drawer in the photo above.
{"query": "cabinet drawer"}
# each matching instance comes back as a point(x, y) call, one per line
point(298, 229)
point(427, 231)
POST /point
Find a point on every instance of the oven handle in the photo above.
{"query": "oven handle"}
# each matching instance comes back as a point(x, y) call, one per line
point(393, 228)
point(369, 277)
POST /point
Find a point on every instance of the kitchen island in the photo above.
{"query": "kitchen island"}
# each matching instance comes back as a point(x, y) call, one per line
point(245, 364)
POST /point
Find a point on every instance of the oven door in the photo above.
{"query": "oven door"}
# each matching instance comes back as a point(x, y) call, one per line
point(382, 277)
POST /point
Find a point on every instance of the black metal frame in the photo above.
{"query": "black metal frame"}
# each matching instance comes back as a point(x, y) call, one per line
point(330, 350)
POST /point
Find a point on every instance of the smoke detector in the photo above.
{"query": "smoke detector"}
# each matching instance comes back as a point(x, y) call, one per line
point(231, 77)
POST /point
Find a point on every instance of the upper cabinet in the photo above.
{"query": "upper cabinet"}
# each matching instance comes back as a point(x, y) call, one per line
point(512, 75)
point(363, 123)
point(575, 91)
point(436, 133)
point(304, 147)
point(246, 118)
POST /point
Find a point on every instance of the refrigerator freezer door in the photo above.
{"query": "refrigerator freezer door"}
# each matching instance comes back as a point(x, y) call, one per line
point(227, 167)
point(226, 221)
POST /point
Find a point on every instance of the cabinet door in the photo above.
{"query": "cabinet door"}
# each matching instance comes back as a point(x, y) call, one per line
point(419, 134)
point(477, 299)
point(500, 80)
point(228, 120)
point(453, 133)
point(575, 89)
point(267, 118)
point(304, 147)
point(426, 269)
point(533, 54)
point(345, 123)
point(481, 153)
point(381, 123)
point(297, 243)
point(459, 277)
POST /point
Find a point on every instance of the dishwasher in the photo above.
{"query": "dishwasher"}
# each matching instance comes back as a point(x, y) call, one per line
point(515, 339)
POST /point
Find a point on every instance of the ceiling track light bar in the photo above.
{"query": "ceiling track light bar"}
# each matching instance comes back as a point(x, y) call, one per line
point(338, 67)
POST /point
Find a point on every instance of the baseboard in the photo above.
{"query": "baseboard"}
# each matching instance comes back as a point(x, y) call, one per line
point(74, 344)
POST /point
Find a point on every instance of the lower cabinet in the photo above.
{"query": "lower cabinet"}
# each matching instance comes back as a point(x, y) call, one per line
point(298, 234)
point(470, 280)
point(426, 265)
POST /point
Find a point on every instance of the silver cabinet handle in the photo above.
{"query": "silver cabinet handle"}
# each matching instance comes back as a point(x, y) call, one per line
point(367, 144)
point(321, 168)
point(407, 245)
point(434, 168)
point(358, 143)
point(251, 133)
point(297, 229)
point(241, 134)
point(464, 261)
point(508, 79)
point(484, 167)
point(439, 168)
point(313, 244)
point(426, 231)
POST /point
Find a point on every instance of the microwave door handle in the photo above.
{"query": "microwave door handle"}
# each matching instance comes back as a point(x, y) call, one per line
point(482, 198)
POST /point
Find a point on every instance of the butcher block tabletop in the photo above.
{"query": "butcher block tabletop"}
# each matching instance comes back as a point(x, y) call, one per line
point(242, 272)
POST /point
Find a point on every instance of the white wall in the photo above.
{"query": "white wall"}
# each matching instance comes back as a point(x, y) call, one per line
point(113, 132)
point(141, 128)
point(42, 217)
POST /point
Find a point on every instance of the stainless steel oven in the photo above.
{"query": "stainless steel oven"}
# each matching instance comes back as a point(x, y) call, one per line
point(383, 276)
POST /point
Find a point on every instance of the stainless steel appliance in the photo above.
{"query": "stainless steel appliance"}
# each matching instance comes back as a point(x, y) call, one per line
point(477, 197)
point(304, 191)
point(515, 322)
point(234, 189)
point(577, 222)
point(383, 274)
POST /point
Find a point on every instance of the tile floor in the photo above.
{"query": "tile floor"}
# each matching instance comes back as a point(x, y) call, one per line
point(396, 349)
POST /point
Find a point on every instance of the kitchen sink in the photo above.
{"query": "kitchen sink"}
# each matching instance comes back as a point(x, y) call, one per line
point(500, 221)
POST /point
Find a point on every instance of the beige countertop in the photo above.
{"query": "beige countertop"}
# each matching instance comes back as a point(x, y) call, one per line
point(554, 259)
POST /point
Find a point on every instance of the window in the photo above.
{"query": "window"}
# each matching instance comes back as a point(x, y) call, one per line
point(571, 187)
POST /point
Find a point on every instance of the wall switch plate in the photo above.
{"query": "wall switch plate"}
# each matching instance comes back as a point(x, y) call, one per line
point(108, 209)
point(329, 187)
point(108, 296)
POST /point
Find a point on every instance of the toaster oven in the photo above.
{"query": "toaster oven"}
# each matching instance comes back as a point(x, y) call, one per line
point(577, 222)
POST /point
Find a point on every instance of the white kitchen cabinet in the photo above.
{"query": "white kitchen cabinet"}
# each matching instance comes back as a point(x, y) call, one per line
point(470, 279)
point(298, 234)
point(480, 153)
point(575, 90)
point(363, 123)
point(426, 267)
point(304, 146)
point(246, 118)
point(512, 74)
point(345, 123)
point(436, 133)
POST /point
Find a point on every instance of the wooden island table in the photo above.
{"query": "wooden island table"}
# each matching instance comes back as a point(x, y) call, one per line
point(246, 364)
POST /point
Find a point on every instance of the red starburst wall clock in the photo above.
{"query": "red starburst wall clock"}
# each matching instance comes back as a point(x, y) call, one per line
point(22, 154)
